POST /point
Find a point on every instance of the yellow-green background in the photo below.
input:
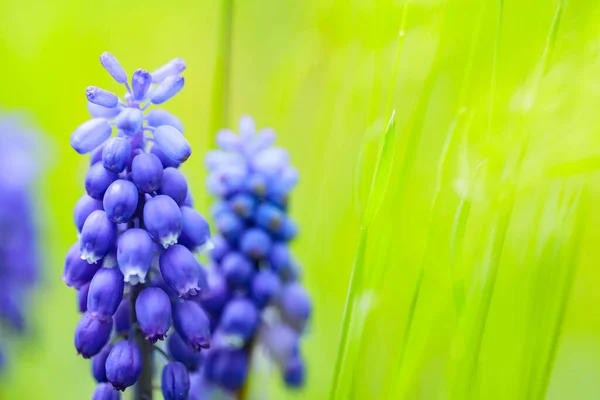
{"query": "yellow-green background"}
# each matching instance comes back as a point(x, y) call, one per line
point(319, 72)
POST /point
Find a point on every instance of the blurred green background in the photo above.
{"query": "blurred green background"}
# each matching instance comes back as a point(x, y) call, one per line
point(480, 277)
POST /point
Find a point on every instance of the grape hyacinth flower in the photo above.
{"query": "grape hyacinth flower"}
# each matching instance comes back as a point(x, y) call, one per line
point(19, 264)
point(254, 297)
point(135, 264)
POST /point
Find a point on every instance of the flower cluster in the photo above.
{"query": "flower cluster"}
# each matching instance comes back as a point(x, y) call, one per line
point(254, 296)
point(134, 265)
point(18, 238)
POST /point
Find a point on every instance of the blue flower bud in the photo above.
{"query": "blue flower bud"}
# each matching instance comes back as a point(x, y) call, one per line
point(124, 365)
point(135, 253)
point(82, 294)
point(158, 117)
point(110, 63)
point(91, 335)
point(99, 364)
point(174, 185)
point(237, 269)
point(83, 208)
point(271, 161)
point(240, 319)
point(101, 97)
point(175, 382)
point(172, 143)
point(105, 391)
point(97, 180)
point(192, 323)
point(96, 154)
point(281, 343)
point(195, 231)
point(116, 154)
point(147, 172)
point(167, 89)
point(122, 318)
point(158, 281)
point(105, 294)
point(243, 204)
point(257, 184)
point(214, 299)
point(266, 286)
point(163, 220)
point(255, 243)
point(90, 135)
point(189, 199)
point(164, 159)
point(97, 111)
point(173, 67)
point(77, 271)
point(295, 306)
point(140, 83)
point(229, 368)
point(228, 140)
point(282, 263)
point(11, 311)
point(180, 270)
point(130, 121)
point(293, 374)
point(289, 230)
point(220, 249)
point(269, 217)
point(120, 201)
point(97, 237)
point(181, 352)
point(153, 310)
point(229, 224)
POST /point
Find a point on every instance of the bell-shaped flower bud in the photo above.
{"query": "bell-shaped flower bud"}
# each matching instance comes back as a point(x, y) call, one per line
point(101, 97)
point(105, 391)
point(255, 243)
point(257, 184)
point(174, 185)
point(120, 201)
point(214, 299)
point(243, 204)
point(282, 263)
point(82, 294)
point(83, 208)
point(280, 341)
point(99, 364)
point(266, 286)
point(180, 270)
point(159, 117)
point(192, 323)
point(195, 233)
point(240, 319)
point(175, 383)
point(110, 63)
point(295, 306)
point(96, 154)
point(97, 111)
point(228, 140)
point(228, 368)
point(91, 335)
point(130, 121)
point(181, 352)
point(153, 310)
point(90, 135)
point(97, 237)
point(172, 143)
point(78, 271)
point(106, 293)
point(135, 253)
point(220, 249)
point(293, 373)
point(147, 172)
point(97, 180)
point(167, 89)
point(122, 318)
point(124, 365)
point(229, 224)
point(116, 154)
point(289, 230)
point(269, 217)
point(163, 220)
point(164, 159)
point(173, 67)
point(237, 269)
point(140, 83)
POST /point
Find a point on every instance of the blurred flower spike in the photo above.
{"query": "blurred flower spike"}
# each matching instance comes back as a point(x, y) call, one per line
point(134, 265)
point(254, 297)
